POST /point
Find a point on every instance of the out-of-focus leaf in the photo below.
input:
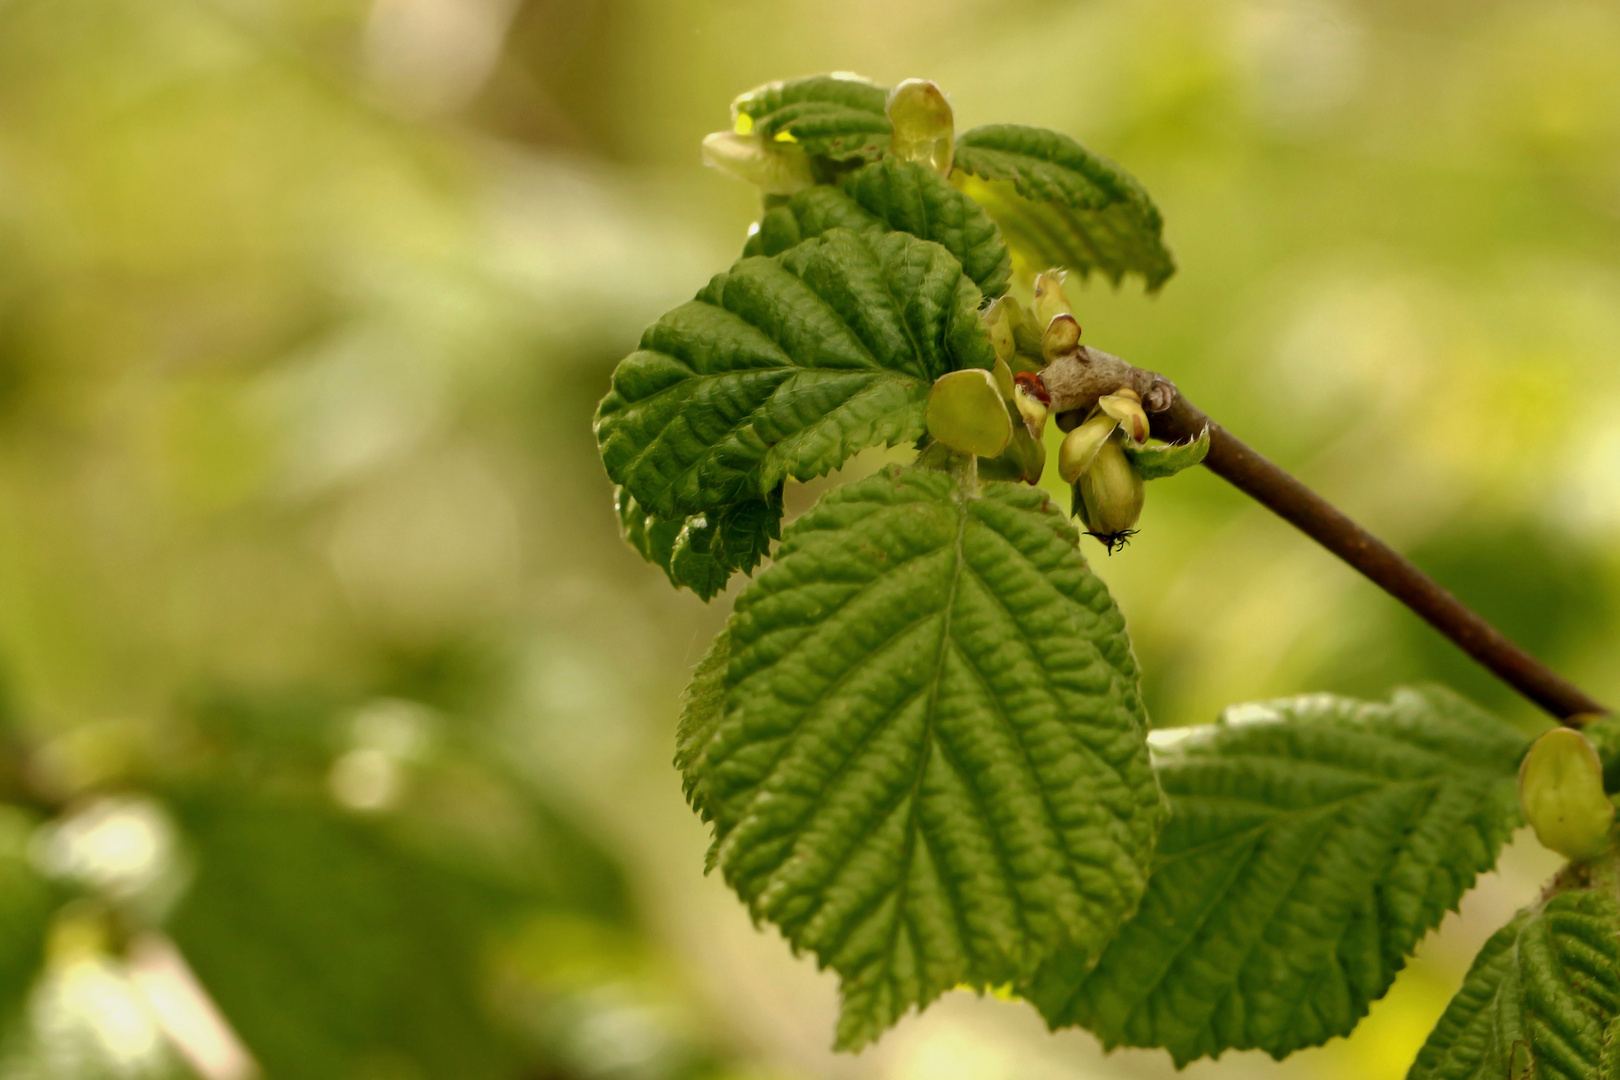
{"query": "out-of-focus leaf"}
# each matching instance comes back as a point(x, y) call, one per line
point(26, 903)
point(833, 116)
point(333, 954)
point(1059, 204)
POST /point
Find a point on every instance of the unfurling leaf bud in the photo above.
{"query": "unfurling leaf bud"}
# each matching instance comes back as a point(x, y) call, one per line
point(967, 413)
point(999, 320)
point(1004, 380)
point(1033, 385)
point(924, 129)
point(1561, 791)
point(777, 168)
point(1050, 301)
point(1111, 494)
point(1032, 409)
point(1080, 446)
point(1061, 336)
point(1027, 454)
point(1126, 407)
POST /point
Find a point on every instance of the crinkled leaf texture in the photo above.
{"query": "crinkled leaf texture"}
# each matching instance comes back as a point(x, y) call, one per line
point(704, 705)
point(931, 768)
point(833, 116)
point(1311, 843)
point(1059, 204)
point(702, 551)
point(782, 367)
point(1542, 1001)
point(889, 194)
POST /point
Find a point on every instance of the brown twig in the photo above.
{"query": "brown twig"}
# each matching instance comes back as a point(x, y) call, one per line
point(1235, 462)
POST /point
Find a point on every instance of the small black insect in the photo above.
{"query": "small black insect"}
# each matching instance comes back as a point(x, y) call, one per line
point(1114, 540)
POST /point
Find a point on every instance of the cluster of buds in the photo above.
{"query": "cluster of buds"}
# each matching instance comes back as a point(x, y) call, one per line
point(1000, 415)
point(1010, 399)
point(995, 415)
point(1108, 489)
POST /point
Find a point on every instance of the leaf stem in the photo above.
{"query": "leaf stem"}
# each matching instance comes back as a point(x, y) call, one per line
point(1235, 462)
point(965, 467)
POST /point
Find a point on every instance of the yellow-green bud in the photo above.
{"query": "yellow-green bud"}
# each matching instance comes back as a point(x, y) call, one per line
point(1050, 301)
point(1561, 791)
point(966, 412)
point(1004, 380)
point(924, 129)
point(1111, 492)
point(1027, 453)
point(999, 319)
point(1126, 407)
point(1061, 336)
point(778, 168)
point(1032, 409)
point(1080, 446)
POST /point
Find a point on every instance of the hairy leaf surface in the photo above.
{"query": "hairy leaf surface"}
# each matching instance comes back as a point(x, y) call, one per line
point(931, 769)
point(1542, 1000)
point(1059, 204)
point(785, 367)
point(890, 194)
point(1311, 843)
point(833, 116)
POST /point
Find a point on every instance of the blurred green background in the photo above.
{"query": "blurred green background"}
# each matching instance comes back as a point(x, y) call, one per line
point(324, 667)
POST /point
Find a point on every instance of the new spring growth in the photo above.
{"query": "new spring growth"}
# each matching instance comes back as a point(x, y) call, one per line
point(1050, 300)
point(924, 129)
point(1125, 406)
point(777, 168)
point(1031, 400)
point(1081, 446)
point(966, 412)
point(1111, 494)
point(1561, 791)
point(1061, 336)
point(1025, 453)
point(1108, 489)
point(999, 320)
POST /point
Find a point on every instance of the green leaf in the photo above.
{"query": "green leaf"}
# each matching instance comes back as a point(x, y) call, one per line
point(1158, 462)
point(901, 195)
point(1604, 735)
point(702, 551)
point(785, 367)
point(931, 769)
point(332, 954)
point(26, 904)
point(1542, 1000)
point(833, 116)
point(1059, 204)
point(1311, 843)
point(705, 703)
